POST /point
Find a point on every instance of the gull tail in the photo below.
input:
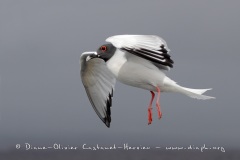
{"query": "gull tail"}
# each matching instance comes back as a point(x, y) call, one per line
point(193, 93)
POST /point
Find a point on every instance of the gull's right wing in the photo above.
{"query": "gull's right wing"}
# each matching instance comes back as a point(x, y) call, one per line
point(99, 83)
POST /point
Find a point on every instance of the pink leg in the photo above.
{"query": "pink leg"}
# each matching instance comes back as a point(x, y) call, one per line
point(150, 108)
point(158, 104)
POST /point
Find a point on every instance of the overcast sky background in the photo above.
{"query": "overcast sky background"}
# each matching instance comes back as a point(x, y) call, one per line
point(42, 99)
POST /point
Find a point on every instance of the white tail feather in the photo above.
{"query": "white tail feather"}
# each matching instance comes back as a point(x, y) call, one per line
point(193, 93)
point(196, 93)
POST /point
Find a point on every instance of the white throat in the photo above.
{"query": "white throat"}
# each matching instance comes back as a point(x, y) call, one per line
point(115, 63)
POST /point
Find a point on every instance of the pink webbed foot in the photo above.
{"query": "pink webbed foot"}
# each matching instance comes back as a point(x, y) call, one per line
point(150, 108)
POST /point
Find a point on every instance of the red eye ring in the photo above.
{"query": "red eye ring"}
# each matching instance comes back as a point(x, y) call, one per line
point(103, 48)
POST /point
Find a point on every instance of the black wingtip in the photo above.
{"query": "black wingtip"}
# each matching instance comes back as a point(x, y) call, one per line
point(107, 123)
point(150, 55)
point(107, 119)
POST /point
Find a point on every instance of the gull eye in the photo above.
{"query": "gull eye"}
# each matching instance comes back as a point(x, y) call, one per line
point(103, 48)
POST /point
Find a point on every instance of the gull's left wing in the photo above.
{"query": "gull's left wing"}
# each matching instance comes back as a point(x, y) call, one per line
point(99, 84)
point(149, 47)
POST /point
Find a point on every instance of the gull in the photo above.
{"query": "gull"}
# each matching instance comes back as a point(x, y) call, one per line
point(134, 60)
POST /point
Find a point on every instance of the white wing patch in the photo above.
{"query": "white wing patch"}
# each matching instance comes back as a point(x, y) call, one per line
point(149, 41)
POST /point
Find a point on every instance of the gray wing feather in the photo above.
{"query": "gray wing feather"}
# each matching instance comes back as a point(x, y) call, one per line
point(149, 47)
point(99, 84)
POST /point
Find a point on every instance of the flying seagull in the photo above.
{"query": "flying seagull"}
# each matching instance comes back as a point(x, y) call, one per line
point(135, 60)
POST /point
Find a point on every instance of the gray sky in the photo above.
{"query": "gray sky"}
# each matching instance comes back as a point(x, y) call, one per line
point(42, 99)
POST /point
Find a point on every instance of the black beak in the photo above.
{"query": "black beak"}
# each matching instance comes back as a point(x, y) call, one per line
point(94, 56)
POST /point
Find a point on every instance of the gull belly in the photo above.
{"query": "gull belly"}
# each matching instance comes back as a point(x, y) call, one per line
point(136, 71)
